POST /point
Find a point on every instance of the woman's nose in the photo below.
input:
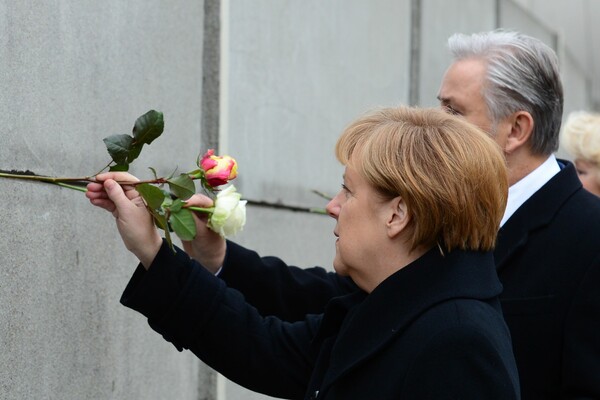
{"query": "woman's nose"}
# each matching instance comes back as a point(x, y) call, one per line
point(333, 208)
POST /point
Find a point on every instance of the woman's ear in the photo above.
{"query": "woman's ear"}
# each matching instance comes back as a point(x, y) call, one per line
point(398, 217)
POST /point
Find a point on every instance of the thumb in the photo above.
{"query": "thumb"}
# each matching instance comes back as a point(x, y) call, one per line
point(199, 200)
point(116, 194)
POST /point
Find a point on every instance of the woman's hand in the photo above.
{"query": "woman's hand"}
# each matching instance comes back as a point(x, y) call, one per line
point(98, 196)
point(208, 247)
point(134, 222)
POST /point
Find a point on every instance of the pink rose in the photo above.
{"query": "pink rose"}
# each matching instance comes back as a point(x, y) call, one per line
point(218, 170)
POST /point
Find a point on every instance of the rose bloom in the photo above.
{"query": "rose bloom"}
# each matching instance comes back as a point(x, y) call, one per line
point(218, 170)
point(229, 215)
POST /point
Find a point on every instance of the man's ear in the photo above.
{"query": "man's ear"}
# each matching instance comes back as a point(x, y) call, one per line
point(521, 130)
point(398, 217)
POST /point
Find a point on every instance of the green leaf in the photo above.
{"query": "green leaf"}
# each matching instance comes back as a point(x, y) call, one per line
point(176, 206)
point(197, 173)
point(148, 127)
point(118, 147)
point(153, 196)
point(134, 152)
point(119, 167)
point(168, 201)
point(182, 186)
point(183, 224)
point(161, 222)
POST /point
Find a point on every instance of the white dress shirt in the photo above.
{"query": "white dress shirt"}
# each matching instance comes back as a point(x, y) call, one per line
point(526, 187)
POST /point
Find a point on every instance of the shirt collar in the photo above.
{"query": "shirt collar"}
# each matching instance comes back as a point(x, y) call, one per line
point(526, 187)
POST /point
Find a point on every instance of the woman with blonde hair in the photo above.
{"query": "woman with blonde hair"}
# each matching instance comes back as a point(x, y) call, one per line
point(422, 197)
point(581, 138)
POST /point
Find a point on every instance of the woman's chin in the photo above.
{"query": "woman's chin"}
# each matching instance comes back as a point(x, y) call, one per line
point(339, 268)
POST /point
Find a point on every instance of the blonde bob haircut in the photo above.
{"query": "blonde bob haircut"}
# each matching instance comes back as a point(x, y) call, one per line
point(451, 174)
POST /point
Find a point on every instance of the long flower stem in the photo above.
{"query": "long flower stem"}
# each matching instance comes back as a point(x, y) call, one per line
point(78, 188)
point(61, 181)
point(47, 179)
point(50, 179)
point(57, 180)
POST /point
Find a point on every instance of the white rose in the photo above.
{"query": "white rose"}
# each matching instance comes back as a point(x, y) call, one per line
point(229, 215)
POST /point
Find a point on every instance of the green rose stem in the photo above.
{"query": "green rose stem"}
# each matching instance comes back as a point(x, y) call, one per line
point(200, 209)
point(78, 188)
point(48, 179)
point(63, 181)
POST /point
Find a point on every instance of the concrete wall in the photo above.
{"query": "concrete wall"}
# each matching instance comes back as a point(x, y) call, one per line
point(295, 74)
point(274, 86)
point(576, 24)
point(72, 73)
point(436, 27)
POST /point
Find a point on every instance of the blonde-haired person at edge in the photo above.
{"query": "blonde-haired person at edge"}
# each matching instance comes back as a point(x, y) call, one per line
point(581, 138)
point(416, 219)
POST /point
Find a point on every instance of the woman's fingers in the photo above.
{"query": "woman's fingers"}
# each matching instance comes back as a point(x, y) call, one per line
point(116, 176)
point(199, 200)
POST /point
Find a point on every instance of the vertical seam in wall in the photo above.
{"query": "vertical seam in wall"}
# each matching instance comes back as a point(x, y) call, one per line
point(211, 50)
point(415, 52)
point(212, 134)
point(497, 16)
point(223, 135)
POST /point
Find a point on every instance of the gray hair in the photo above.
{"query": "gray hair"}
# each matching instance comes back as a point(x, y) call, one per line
point(522, 75)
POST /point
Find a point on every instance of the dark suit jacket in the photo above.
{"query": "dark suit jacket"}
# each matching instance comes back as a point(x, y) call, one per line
point(548, 260)
point(433, 330)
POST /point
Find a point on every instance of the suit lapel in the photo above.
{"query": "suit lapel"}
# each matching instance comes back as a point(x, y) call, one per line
point(537, 212)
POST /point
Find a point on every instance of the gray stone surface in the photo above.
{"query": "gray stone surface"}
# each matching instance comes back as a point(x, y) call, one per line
point(297, 73)
point(441, 19)
point(72, 73)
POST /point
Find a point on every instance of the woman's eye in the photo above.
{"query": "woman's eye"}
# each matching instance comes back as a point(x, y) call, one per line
point(345, 190)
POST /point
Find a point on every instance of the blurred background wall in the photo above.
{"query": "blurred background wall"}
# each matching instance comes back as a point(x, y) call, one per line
point(271, 82)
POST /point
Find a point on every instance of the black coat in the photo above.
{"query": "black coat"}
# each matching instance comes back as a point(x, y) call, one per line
point(433, 330)
point(548, 260)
